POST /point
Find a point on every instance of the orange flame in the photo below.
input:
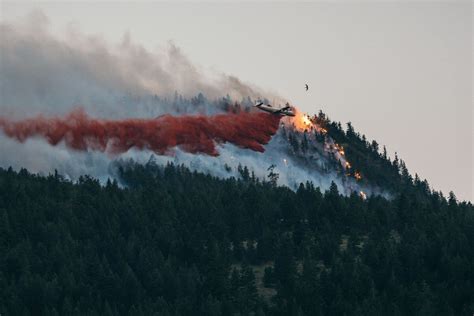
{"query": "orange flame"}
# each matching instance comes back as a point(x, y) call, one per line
point(357, 175)
point(302, 121)
point(306, 120)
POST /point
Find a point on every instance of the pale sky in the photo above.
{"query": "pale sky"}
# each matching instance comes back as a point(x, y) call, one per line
point(401, 72)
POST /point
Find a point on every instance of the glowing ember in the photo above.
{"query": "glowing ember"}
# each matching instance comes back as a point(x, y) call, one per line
point(348, 165)
point(357, 175)
point(339, 149)
point(363, 195)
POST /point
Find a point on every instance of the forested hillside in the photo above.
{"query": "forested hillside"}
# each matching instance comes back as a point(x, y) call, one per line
point(173, 242)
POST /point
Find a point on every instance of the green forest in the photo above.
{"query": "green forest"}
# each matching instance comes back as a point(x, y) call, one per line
point(168, 241)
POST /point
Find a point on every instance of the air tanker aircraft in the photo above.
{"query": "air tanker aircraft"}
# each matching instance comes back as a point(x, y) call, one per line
point(286, 110)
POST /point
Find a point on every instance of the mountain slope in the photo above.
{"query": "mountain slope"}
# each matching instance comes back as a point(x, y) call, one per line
point(176, 242)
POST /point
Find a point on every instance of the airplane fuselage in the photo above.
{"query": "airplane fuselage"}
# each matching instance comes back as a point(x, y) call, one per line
point(286, 111)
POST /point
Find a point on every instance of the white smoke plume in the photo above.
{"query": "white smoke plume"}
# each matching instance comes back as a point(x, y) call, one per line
point(43, 73)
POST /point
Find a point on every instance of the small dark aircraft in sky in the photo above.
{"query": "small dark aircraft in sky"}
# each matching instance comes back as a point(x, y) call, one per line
point(286, 110)
point(306, 87)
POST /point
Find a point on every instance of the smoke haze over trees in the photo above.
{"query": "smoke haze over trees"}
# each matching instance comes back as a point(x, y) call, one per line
point(50, 75)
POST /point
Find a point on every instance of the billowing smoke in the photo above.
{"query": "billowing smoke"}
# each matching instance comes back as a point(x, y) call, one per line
point(193, 134)
point(42, 73)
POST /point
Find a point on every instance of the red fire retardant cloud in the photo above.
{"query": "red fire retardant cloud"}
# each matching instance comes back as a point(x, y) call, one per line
point(194, 134)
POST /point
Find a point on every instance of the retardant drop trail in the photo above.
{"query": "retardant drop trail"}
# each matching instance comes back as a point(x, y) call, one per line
point(193, 133)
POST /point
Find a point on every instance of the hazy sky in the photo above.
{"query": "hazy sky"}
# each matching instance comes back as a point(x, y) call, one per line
point(401, 72)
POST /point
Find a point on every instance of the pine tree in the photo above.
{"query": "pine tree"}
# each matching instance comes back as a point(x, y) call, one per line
point(272, 175)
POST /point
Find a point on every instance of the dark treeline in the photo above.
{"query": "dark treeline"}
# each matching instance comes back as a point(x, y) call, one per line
point(174, 242)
